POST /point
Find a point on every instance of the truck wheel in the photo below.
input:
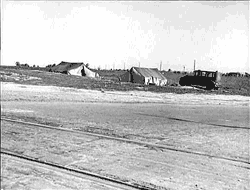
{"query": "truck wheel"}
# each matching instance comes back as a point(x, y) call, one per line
point(210, 86)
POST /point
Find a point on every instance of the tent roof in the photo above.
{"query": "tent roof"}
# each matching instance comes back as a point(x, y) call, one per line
point(66, 66)
point(149, 72)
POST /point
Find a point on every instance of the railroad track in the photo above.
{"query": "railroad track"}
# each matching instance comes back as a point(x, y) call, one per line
point(141, 143)
point(101, 179)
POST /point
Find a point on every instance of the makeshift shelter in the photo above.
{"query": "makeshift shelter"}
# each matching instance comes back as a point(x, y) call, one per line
point(78, 69)
point(144, 76)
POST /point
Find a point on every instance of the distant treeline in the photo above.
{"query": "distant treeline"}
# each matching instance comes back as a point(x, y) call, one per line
point(236, 74)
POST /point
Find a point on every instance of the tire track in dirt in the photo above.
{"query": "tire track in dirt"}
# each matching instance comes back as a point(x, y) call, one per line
point(78, 173)
point(150, 145)
point(155, 162)
point(192, 121)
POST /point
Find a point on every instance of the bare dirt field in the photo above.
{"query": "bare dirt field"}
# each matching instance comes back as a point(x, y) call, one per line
point(209, 124)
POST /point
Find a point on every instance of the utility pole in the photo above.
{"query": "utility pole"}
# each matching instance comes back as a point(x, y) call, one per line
point(160, 65)
point(139, 64)
point(194, 65)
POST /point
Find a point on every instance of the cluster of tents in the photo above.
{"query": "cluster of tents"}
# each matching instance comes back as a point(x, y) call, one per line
point(135, 74)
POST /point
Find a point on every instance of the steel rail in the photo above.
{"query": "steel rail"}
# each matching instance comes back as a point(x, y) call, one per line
point(141, 143)
point(80, 173)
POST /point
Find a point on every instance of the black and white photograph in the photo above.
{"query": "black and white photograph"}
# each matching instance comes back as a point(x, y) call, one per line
point(125, 95)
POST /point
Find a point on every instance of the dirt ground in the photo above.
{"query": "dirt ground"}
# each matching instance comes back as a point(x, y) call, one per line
point(19, 175)
point(144, 116)
point(19, 92)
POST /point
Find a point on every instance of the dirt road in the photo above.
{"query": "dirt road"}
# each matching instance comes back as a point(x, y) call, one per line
point(20, 174)
point(211, 124)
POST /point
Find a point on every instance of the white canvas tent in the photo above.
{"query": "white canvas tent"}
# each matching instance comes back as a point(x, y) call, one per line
point(78, 69)
point(144, 76)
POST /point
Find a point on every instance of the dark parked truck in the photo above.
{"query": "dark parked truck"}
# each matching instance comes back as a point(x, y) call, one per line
point(203, 79)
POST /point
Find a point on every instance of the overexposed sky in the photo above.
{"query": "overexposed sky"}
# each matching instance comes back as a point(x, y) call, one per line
point(109, 34)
